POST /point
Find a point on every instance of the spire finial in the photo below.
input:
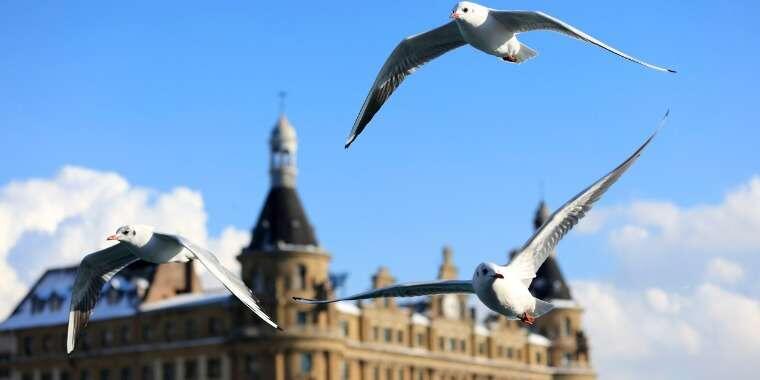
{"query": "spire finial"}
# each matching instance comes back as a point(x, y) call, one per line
point(282, 95)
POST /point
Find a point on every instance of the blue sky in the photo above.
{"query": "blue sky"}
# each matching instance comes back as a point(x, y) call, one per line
point(182, 93)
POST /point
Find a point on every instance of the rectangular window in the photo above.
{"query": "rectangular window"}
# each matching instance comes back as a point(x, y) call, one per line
point(376, 333)
point(421, 339)
point(510, 353)
point(214, 326)
point(124, 334)
point(147, 372)
point(169, 330)
point(301, 318)
point(28, 342)
point(344, 371)
point(482, 348)
point(388, 335)
point(452, 344)
point(306, 363)
point(105, 374)
point(538, 357)
point(400, 374)
point(190, 330)
point(168, 371)
point(400, 336)
point(252, 368)
point(126, 373)
point(441, 343)
point(344, 328)
point(214, 368)
point(147, 333)
point(191, 369)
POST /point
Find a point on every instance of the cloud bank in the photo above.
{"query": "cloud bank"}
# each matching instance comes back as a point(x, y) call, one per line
point(55, 221)
point(686, 303)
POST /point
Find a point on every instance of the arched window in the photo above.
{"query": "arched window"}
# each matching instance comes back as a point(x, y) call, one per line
point(299, 278)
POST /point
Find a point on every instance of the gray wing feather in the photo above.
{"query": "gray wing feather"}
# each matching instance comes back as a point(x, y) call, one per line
point(525, 21)
point(231, 281)
point(408, 55)
point(538, 247)
point(404, 290)
point(95, 271)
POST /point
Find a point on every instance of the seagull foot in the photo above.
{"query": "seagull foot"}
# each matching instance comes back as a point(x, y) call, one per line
point(510, 58)
point(527, 319)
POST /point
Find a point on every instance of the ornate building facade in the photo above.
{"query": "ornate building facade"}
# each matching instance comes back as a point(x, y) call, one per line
point(155, 322)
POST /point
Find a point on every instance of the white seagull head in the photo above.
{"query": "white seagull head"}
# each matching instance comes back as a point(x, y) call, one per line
point(470, 13)
point(486, 273)
point(134, 234)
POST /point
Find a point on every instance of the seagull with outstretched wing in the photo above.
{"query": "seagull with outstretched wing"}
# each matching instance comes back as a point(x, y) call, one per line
point(140, 242)
point(491, 31)
point(504, 288)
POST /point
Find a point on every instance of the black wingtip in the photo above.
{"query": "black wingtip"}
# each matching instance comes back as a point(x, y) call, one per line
point(279, 328)
point(672, 71)
point(349, 141)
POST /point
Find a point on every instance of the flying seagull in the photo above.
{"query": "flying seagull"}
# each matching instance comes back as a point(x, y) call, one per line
point(140, 242)
point(492, 31)
point(504, 289)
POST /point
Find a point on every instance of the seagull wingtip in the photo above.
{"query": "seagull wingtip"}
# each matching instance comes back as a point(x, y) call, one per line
point(349, 141)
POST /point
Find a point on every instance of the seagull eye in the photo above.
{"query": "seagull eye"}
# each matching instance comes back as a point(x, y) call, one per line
point(464, 10)
point(484, 271)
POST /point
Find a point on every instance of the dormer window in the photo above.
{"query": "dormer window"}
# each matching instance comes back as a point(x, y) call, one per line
point(56, 302)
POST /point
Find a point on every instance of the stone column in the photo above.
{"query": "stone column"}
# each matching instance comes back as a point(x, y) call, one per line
point(201, 367)
point(279, 365)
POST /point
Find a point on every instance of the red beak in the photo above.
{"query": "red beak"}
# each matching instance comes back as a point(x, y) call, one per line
point(112, 237)
point(498, 275)
point(454, 15)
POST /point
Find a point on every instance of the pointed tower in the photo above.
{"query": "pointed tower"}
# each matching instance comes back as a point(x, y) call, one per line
point(562, 325)
point(450, 306)
point(284, 258)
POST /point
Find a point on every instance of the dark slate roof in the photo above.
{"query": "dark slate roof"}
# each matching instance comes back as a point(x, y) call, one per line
point(282, 221)
point(549, 283)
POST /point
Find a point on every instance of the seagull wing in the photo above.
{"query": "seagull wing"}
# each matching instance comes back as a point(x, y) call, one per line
point(537, 249)
point(231, 281)
point(95, 270)
point(410, 54)
point(525, 21)
point(404, 290)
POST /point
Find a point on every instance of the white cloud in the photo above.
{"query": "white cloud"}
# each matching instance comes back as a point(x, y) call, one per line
point(55, 221)
point(652, 237)
point(725, 271)
point(678, 306)
point(704, 334)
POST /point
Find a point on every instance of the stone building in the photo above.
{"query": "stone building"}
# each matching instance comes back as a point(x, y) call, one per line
point(155, 322)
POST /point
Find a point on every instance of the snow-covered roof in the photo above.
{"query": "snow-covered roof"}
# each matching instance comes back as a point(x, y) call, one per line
point(419, 319)
point(565, 304)
point(539, 340)
point(47, 303)
point(188, 300)
point(348, 308)
point(482, 330)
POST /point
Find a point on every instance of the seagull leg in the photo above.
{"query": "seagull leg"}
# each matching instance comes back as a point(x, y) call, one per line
point(509, 58)
point(527, 319)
